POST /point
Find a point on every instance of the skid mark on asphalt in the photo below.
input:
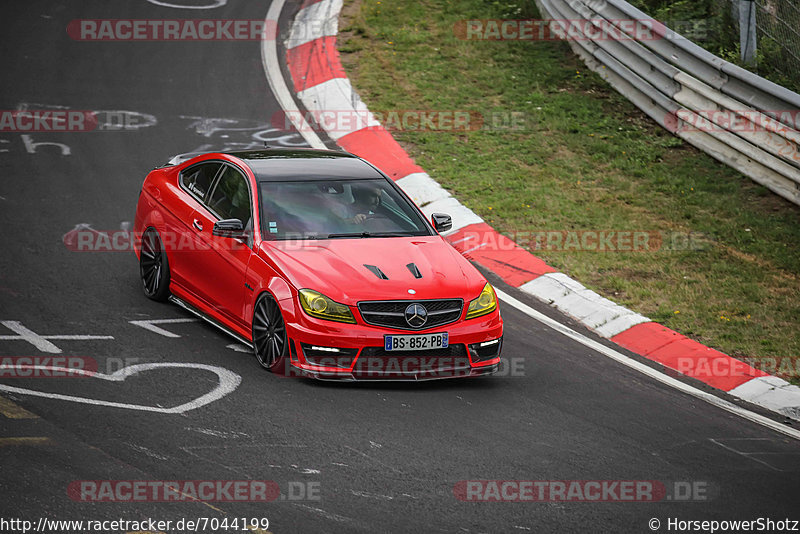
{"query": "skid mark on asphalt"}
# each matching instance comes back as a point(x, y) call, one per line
point(382, 464)
point(305, 470)
point(327, 515)
point(777, 455)
point(220, 455)
point(224, 434)
point(369, 495)
point(146, 451)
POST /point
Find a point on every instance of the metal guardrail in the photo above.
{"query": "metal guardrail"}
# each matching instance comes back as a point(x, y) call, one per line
point(737, 117)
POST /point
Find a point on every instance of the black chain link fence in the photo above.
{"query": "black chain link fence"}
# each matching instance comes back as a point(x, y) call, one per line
point(714, 25)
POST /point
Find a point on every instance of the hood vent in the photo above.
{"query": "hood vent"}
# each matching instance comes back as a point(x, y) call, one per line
point(414, 270)
point(376, 271)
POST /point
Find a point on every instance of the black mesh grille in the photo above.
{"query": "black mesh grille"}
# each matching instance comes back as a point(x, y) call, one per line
point(392, 313)
point(452, 351)
point(378, 361)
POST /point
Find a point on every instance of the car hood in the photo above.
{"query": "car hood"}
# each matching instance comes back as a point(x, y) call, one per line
point(336, 268)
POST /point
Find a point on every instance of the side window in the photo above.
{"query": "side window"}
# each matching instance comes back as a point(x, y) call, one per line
point(231, 196)
point(197, 180)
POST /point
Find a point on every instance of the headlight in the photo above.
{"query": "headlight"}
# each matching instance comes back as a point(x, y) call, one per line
point(485, 303)
point(318, 305)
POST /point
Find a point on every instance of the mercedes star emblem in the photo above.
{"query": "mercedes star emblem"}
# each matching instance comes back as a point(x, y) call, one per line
point(416, 315)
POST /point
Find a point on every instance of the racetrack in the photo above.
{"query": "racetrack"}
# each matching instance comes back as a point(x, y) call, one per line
point(383, 457)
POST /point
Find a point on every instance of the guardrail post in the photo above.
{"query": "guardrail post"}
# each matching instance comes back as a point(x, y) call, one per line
point(747, 31)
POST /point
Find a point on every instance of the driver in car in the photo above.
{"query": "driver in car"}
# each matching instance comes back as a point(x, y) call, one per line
point(366, 200)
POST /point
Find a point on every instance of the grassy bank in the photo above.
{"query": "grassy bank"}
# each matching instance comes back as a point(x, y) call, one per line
point(584, 159)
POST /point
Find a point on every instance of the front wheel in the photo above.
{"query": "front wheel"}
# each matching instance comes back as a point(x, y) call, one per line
point(269, 334)
point(154, 267)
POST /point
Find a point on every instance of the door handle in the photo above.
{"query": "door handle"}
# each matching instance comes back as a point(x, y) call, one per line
point(198, 225)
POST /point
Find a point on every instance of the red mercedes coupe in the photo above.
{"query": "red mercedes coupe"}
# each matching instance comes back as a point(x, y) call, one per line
point(318, 261)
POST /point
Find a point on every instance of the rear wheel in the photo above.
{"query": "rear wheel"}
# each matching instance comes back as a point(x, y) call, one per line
point(154, 267)
point(269, 334)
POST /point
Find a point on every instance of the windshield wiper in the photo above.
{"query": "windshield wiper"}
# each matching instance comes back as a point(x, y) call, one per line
point(371, 234)
point(354, 234)
point(298, 238)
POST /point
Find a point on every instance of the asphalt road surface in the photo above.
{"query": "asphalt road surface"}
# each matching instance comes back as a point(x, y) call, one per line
point(345, 457)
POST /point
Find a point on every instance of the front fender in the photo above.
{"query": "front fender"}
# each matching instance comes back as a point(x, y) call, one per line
point(263, 279)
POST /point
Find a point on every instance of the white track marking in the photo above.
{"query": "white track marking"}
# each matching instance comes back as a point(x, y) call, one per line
point(151, 325)
point(41, 341)
point(272, 69)
point(76, 336)
point(647, 370)
point(30, 336)
point(31, 146)
point(228, 381)
point(213, 5)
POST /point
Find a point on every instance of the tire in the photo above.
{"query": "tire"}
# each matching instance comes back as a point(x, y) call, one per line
point(270, 343)
point(154, 267)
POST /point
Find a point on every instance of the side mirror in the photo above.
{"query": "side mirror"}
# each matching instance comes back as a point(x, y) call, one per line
point(441, 222)
point(229, 228)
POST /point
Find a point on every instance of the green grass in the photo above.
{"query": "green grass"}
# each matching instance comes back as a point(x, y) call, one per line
point(585, 159)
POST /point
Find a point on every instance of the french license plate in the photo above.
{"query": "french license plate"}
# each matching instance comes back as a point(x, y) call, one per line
point(416, 342)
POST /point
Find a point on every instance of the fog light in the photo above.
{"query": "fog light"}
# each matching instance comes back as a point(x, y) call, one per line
point(486, 350)
point(329, 356)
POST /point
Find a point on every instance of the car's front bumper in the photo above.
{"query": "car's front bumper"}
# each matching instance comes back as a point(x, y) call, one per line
point(405, 376)
point(474, 350)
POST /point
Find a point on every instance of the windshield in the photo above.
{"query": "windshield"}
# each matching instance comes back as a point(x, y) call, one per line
point(333, 209)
